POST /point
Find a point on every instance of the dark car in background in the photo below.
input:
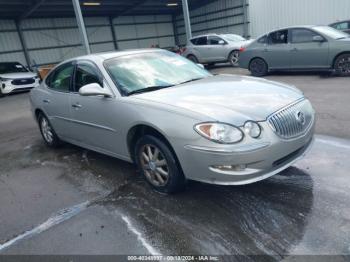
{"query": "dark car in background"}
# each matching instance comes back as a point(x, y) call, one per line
point(342, 26)
point(301, 48)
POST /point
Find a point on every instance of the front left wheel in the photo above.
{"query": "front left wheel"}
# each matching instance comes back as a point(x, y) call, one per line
point(47, 132)
point(158, 165)
point(342, 65)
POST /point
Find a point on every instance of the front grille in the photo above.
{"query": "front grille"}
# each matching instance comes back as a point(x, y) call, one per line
point(23, 81)
point(293, 120)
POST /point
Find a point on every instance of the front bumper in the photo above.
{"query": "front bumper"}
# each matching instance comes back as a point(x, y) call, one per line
point(7, 87)
point(260, 160)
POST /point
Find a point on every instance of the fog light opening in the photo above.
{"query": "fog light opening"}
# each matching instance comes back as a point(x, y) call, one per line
point(241, 167)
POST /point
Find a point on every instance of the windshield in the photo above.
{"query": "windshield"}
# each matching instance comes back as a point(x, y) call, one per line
point(151, 70)
point(331, 32)
point(233, 38)
point(6, 68)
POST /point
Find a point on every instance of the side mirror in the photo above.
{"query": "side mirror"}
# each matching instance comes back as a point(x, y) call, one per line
point(94, 89)
point(317, 38)
point(221, 42)
point(200, 65)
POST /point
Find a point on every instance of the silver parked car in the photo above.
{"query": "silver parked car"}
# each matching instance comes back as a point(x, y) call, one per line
point(342, 26)
point(301, 48)
point(174, 119)
point(214, 48)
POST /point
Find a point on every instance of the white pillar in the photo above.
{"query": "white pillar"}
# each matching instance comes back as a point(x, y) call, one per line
point(81, 25)
point(186, 15)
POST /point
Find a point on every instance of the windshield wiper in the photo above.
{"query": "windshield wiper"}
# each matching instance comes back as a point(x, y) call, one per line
point(191, 80)
point(148, 89)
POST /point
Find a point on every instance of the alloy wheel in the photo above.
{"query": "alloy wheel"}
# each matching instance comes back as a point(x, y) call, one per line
point(343, 65)
point(154, 165)
point(234, 58)
point(46, 130)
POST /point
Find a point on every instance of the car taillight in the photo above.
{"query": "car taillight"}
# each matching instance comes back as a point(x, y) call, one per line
point(242, 49)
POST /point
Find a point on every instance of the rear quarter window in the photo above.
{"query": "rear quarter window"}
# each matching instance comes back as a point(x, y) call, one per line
point(262, 40)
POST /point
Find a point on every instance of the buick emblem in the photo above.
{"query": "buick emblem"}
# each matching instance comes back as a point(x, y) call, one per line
point(300, 117)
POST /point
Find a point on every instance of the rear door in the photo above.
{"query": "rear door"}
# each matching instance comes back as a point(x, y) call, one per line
point(277, 51)
point(306, 53)
point(94, 117)
point(56, 99)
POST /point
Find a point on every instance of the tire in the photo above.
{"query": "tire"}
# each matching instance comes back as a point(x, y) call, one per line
point(258, 67)
point(193, 59)
point(47, 132)
point(233, 58)
point(342, 65)
point(1, 94)
point(164, 177)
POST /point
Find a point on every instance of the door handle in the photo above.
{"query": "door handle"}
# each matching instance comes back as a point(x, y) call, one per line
point(294, 49)
point(76, 105)
point(46, 101)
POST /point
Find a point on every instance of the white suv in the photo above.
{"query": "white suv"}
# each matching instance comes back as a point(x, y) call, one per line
point(215, 48)
point(14, 77)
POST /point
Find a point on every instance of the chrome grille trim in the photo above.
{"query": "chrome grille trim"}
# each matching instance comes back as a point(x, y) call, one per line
point(285, 122)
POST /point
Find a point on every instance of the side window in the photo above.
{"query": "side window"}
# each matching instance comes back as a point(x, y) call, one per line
point(86, 74)
point(201, 40)
point(60, 79)
point(341, 26)
point(278, 37)
point(262, 40)
point(301, 35)
point(214, 40)
point(194, 41)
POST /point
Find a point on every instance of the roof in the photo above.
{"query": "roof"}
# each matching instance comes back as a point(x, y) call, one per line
point(20, 9)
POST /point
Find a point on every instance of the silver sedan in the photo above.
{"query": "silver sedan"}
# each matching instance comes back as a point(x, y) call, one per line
point(173, 118)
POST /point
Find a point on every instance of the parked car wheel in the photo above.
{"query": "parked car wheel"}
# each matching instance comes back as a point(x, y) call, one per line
point(193, 59)
point(233, 58)
point(342, 65)
point(158, 165)
point(258, 67)
point(1, 94)
point(47, 132)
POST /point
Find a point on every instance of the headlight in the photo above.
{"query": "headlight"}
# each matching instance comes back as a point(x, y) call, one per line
point(252, 128)
point(220, 132)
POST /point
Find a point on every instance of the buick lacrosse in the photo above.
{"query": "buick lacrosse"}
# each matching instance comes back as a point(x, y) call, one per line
point(174, 119)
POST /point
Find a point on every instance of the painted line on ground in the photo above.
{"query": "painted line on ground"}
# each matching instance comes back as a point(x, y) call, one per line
point(332, 143)
point(143, 241)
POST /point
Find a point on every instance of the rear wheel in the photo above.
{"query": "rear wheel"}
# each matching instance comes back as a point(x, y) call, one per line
point(342, 65)
point(258, 67)
point(193, 59)
point(158, 165)
point(234, 58)
point(47, 132)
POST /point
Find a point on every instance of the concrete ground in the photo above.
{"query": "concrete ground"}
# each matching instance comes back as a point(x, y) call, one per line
point(74, 201)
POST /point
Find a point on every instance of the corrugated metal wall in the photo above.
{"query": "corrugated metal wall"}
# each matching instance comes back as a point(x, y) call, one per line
point(267, 15)
point(144, 31)
point(10, 45)
point(55, 39)
point(222, 16)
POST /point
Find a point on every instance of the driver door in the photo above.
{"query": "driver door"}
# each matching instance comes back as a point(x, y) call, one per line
point(94, 118)
point(217, 49)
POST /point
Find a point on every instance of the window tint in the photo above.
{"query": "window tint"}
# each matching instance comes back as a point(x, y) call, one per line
point(214, 40)
point(279, 37)
point(302, 35)
point(61, 78)
point(194, 40)
point(201, 40)
point(341, 26)
point(262, 40)
point(86, 74)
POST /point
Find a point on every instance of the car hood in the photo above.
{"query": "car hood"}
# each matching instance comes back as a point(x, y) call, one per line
point(18, 75)
point(227, 98)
